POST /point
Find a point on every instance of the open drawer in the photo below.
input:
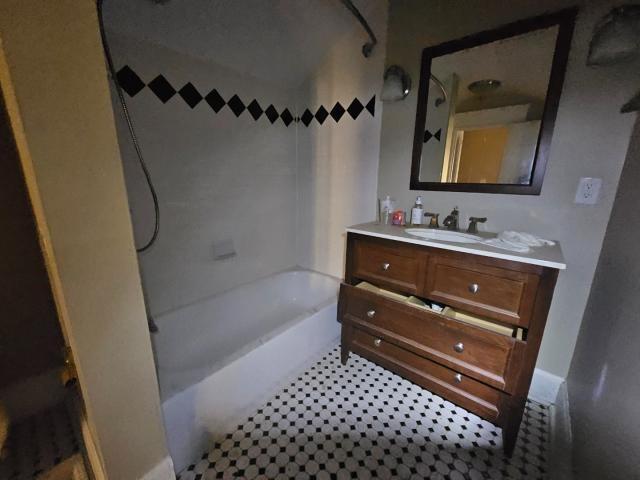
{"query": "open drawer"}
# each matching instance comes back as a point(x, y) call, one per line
point(474, 351)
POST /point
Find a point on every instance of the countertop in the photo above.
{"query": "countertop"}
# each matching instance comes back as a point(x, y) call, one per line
point(547, 256)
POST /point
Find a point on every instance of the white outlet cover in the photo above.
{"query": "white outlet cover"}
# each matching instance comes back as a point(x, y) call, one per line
point(588, 190)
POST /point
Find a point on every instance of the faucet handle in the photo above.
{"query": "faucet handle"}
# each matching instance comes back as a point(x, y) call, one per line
point(433, 223)
point(473, 223)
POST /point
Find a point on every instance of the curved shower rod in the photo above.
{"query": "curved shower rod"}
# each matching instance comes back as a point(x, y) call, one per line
point(367, 48)
point(439, 101)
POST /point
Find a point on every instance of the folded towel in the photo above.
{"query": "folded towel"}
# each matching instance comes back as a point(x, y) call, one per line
point(520, 242)
point(524, 238)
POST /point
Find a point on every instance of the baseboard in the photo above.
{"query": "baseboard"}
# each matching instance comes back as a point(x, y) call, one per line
point(162, 471)
point(544, 387)
point(560, 461)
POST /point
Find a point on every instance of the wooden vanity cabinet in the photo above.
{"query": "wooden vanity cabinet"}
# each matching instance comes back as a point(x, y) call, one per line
point(487, 373)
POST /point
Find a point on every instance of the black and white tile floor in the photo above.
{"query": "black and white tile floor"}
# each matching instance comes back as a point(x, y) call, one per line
point(38, 443)
point(361, 421)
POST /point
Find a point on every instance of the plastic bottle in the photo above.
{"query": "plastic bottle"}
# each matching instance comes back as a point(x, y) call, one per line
point(387, 210)
point(416, 212)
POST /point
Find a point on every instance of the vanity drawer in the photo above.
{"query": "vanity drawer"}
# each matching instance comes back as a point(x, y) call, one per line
point(495, 292)
point(476, 352)
point(448, 383)
point(400, 267)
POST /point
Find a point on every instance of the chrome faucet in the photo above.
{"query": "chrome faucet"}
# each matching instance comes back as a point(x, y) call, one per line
point(451, 221)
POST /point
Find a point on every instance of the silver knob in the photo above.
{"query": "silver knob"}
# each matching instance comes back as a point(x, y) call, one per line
point(371, 313)
point(458, 377)
point(385, 266)
point(474, 287)
point(459, 347)
point(377, 342)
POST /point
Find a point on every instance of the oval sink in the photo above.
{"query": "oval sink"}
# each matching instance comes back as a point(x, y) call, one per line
point(443, 235)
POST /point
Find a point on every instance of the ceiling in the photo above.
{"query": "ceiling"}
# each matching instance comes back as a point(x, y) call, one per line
point(279, 41)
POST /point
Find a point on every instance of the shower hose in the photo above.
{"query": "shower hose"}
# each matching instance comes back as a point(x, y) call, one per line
point(132, 133)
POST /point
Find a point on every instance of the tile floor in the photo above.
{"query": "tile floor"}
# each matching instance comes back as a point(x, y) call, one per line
point(361, 421)
point(38, 443)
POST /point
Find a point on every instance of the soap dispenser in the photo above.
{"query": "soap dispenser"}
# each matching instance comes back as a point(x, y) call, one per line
point(417, 212)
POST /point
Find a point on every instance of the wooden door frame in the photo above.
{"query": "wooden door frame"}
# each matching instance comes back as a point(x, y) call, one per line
point(92, 452)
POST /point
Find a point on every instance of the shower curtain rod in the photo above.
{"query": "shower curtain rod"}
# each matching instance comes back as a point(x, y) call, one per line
point(367, 48)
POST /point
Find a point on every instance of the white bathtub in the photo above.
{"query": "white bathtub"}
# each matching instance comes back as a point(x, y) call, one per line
point(220, 357)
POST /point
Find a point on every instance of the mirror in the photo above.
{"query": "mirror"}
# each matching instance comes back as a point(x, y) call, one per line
point(486, 107)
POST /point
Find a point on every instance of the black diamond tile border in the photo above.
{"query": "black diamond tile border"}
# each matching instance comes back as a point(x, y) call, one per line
point(190, 95)
point(162, 88)
point(129, 81)
point(361, 421)
point(428, 135)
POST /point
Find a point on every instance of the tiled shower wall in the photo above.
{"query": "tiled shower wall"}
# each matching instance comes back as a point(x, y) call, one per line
point(232, 168)
point(338, 161)
point(220, 178)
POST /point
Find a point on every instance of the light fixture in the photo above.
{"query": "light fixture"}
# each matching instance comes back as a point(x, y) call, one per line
point(397, 84)
point(616, 36)
point(487, 85)
point(632, 105)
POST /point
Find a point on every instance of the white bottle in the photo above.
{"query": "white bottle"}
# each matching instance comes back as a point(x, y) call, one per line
point(416, 212)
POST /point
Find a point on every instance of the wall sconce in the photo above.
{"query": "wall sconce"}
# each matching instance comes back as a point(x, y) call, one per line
point(616, 38)
point(397, 84)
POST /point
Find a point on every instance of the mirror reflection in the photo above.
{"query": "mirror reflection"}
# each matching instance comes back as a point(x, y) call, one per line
point(484, 110)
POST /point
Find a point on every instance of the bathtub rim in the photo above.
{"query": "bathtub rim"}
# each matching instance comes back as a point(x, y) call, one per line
point(168, 393)
point(296, 268)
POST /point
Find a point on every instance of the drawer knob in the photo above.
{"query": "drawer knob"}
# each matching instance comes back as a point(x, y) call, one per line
point(474, 287)
point(371, 313)
point(459, 347)
point(458, 377)
point(385, 266)
point(377, 342)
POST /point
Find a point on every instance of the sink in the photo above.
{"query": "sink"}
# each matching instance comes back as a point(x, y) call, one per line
point(443, 235)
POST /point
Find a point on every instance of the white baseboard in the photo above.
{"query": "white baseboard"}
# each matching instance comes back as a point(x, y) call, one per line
point(162, 471)
point(544, 387)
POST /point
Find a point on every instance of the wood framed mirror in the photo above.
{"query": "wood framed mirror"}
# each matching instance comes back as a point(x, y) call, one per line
point(487, 105)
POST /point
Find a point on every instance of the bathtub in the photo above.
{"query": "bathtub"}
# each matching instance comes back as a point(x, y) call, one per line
point(223, 356)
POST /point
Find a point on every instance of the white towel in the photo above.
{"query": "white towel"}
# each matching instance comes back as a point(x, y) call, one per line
point(520, 242)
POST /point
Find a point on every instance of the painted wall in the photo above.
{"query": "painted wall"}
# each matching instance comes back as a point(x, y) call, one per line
point(338, 161)
point(53, 75)
point(220, 178)
point(590, 139)
point(603, 381)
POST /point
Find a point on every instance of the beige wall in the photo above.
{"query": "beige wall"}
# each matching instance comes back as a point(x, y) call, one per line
point(603, 381)
point(59, 103)
point(338, 162)
point(590, 139)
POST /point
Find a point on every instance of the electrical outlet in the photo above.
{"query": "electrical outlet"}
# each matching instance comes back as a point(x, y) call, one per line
point(588, 190)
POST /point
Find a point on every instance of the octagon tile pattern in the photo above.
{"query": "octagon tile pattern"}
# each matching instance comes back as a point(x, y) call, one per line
point(362, 421)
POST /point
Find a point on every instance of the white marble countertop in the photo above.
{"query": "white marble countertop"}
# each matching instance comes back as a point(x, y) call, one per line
point(548, 256)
